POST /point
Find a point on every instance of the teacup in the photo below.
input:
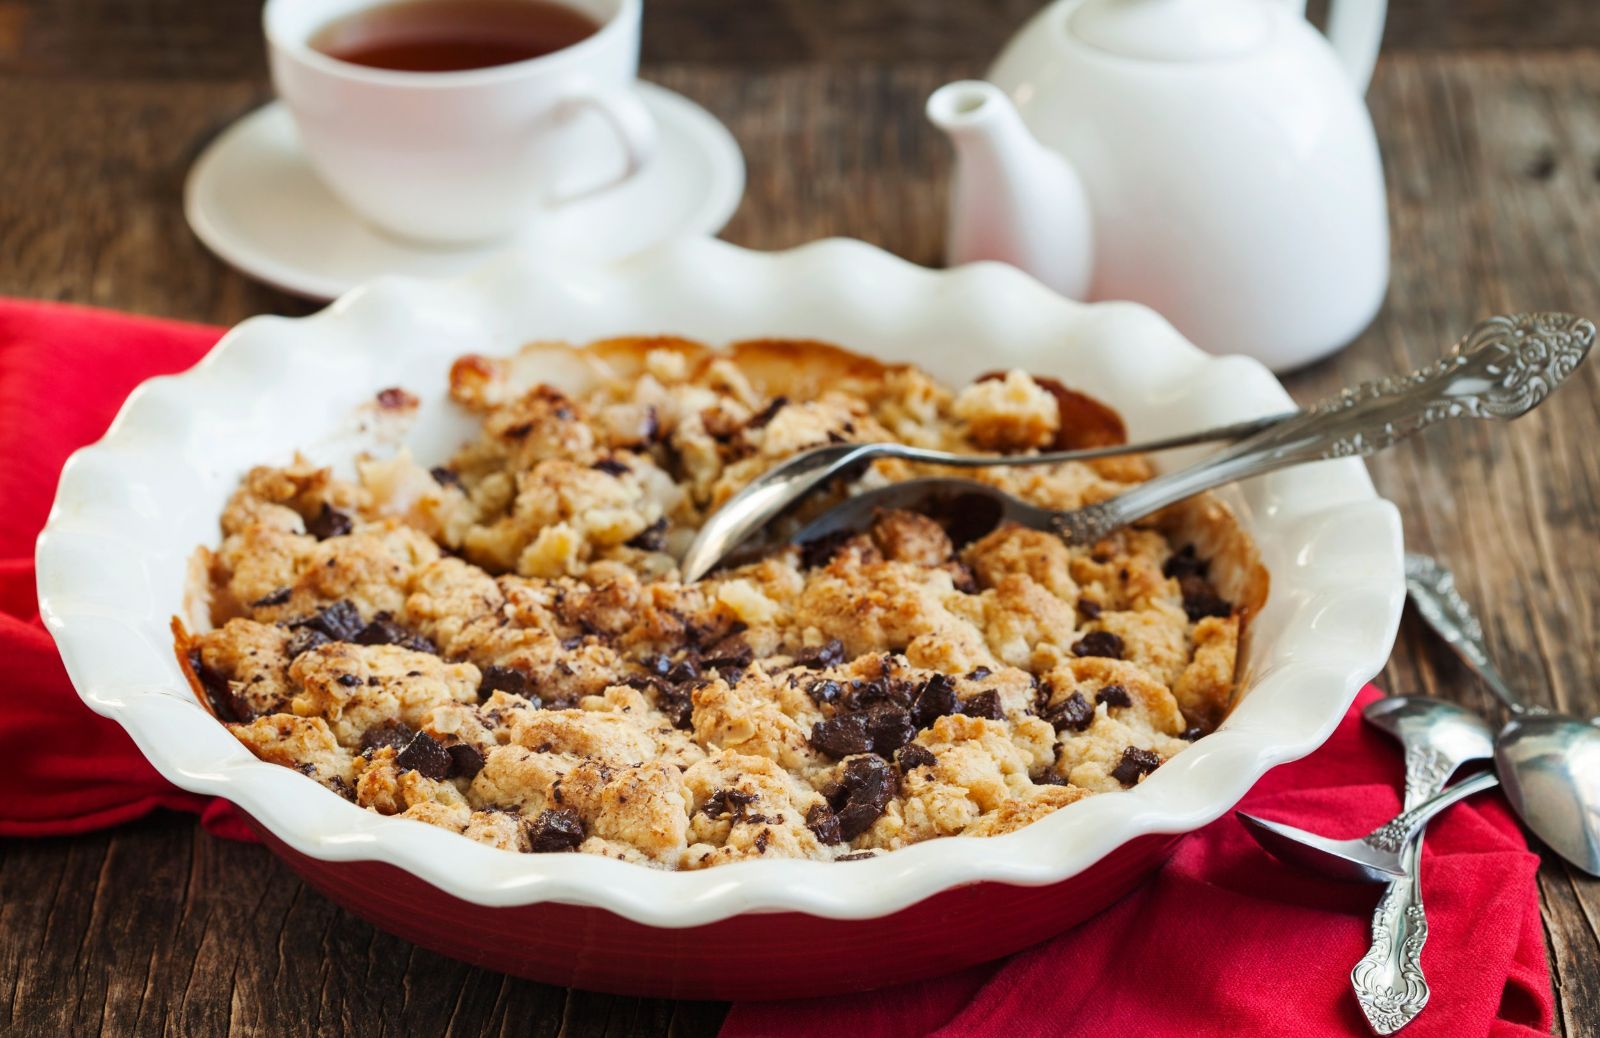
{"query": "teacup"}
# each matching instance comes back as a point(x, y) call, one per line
point(465, 157)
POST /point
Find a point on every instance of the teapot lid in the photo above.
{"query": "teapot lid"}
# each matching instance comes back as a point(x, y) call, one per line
point(1171, 30)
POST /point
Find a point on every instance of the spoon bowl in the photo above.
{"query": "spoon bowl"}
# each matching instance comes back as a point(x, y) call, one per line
point(1550, 765)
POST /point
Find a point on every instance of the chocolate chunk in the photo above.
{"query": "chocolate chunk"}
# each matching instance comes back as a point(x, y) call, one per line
point(985, 705)
point(817, 553)
point(508, 680)
point(304, 640)
point(330, 522)
point(339, 622)
point(1049, 777)
point(384, 631)
point(651, 538)
point(556, 829)
point(1201, 600)
point(824, 823)
point(675, 701)
point(913, 755)
point(465, 760)
point(732, 651)
point(425, 756)
point(349, 680)
point(1191, 733)
point(446, 477)
point(683, 671)
point(1073, 712)
point(729, 803)
point(225, 703)
point(889, 728)
point(274, 598)
point(1184, 564)
point(978, 673)
point(865, 789)
point(1089, 609)
point(1135, 764)
point(824, 691)
point(1114, 695)
point(611, 467)
point(935, 699)
point(856, 856)
point(1098, 643)
point(394, 734)
point(842, 735)
point(396, 399)
point(766, 414)
point(816, 657)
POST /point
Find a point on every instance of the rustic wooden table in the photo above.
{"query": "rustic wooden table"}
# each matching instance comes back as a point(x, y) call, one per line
point(1491, 136)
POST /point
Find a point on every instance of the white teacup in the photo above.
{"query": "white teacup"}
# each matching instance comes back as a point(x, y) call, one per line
point(465, 157)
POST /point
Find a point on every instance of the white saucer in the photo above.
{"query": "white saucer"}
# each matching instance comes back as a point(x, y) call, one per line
point(253, 199)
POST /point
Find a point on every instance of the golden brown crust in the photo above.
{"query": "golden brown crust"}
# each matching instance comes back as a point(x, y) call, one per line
point(503, 648)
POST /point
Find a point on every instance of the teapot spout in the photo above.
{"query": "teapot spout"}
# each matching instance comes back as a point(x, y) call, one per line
point(1011, 199)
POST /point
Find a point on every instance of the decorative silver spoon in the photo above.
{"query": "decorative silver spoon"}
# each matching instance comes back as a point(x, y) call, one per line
point(1501, 370)
point(784, 485)
point(1550, 762)
point(1374, 858)
point(1438, 737)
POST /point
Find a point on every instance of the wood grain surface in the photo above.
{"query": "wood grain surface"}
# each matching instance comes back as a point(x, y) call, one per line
point(1491, 137)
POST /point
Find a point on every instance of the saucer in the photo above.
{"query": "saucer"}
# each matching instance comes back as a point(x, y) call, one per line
point(253, 199)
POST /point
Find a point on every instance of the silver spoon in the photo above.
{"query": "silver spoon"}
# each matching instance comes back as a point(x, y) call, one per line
point(1373, 858)
point(1438, 737)
point(1550, 762)
point(1502, 369)
point(784, 485)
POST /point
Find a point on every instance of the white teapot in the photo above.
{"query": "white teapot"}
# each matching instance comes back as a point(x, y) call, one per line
point(1212, 159)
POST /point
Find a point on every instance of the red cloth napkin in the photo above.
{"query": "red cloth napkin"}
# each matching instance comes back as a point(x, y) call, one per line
point(1223, 940)
point(64, 371)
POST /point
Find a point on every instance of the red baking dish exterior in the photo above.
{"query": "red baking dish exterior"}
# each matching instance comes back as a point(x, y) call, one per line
point(750, 956)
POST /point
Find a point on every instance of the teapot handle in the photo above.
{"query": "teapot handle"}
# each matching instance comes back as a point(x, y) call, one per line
point(1355, 29)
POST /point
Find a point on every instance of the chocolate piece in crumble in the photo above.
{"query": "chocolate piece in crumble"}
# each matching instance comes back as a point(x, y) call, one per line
point(219, 691)
point(732, 803)
point(935, 699)
point(1201, 600)
point(505, 679)
point(339, 622)
point(1184, 563)
point(864, 790)
point(914, 756)
point(396, 735)
point(556, 829)
point(651, 538)
point(1135, 765)
point(1114, 695)
point(465, 760)
point(1099, 643)
point(842, 735)
point(330, 522)
point(384, 631)
point(985, 705)
point(425, 756)
point(276, 598)
point(1072, 713)
point(824, 824)
point(611, 467)
point(819, 657)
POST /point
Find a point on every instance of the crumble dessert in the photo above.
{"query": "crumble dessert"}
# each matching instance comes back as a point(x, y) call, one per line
point(501, 646)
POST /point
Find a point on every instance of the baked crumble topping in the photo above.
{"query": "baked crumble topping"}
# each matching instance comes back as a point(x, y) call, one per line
point(501, 646)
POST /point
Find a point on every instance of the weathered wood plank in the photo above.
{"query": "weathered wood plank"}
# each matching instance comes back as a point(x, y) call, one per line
point(1494, 171)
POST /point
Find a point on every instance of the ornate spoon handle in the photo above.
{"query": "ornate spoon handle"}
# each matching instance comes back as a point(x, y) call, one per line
point(1433, 591)
point(1388, 980)
point(1502, 369)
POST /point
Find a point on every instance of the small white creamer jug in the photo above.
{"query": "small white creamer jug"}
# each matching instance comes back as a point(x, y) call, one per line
point(1212, 159)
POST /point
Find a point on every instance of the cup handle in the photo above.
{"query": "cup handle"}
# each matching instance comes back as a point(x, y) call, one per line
point(633, 125)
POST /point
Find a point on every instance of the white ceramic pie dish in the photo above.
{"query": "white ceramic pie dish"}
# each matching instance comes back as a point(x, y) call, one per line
point(131, 509)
